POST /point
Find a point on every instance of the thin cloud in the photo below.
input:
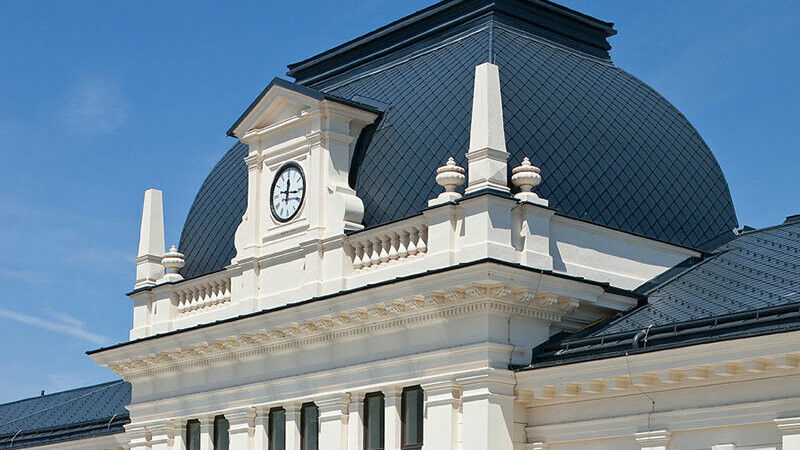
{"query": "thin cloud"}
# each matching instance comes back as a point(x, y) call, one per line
point(94, 106)
point(64, 318)
point(72, 327)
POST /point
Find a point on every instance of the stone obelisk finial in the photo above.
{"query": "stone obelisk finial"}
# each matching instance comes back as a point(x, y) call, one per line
point(487, 155)
point(151, 241)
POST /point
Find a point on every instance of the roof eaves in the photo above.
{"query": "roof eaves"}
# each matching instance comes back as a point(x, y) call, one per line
point(606, 287)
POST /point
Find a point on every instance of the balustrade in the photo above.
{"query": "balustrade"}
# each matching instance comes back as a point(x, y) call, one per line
point(384, 245)
point(204, 295)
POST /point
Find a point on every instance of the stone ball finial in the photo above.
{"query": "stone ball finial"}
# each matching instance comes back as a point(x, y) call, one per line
point(449, 176)
point(526, 176)
point(173, 261)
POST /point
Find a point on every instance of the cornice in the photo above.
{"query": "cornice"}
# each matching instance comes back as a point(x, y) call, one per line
point(380, 317)
point(668, 369)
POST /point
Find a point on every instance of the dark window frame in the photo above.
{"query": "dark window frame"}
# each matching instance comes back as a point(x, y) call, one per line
point(303, 418)
point(188, 439)
point(420, 419)
point(270, 429)
point(381, 421)
point(216, 437)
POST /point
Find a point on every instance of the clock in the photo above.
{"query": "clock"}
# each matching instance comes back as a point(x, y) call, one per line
point(288, 192)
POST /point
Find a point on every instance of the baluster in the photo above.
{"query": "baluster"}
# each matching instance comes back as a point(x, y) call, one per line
point(393, 240)
point(412, 241)
point(422, 247)
point(357, 248)
point(214, 288)
point(384, 248)
point(402, 249)
point(366, 261)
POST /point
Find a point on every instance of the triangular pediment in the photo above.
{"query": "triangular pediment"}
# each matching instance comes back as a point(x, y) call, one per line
point(280, 101)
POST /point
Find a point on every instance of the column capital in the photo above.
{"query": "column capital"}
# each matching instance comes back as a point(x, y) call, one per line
point(392, 391)
point(138, 436)
point(357, 397)
point(332, 401)
point(536, 446)
point(444, 386)
point(161, 433)
point(441, 393)
point(333, 407)
point(241, 419)
point(493, 382)
point(293, 407)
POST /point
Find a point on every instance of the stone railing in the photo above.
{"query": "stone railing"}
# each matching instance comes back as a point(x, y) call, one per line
point(388, 244)
point(205, 294)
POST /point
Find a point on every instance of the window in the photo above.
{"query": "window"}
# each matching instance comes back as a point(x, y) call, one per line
point(411, 415)
point(373, 421)
point(221, 433)
point(277, 429)
point(309, 427)
point(193, 435)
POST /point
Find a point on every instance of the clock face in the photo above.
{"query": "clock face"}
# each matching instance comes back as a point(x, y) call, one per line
point(288, 191)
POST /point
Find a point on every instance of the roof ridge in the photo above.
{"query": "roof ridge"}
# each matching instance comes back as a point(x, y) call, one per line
point(769, 228)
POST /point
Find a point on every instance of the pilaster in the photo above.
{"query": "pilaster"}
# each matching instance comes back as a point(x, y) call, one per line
point(179, 434)
point(534, 232)
point(161, 435)
point(261, 429)
point(138, 437)
point(442, 235)
point(790, 432)
point(241, 428)
point(206, 432)
point(333, 419)
point(392, 397)
point(653, 440)
point(355, 423)
point(440, 427)
point(292, 426)
point(488, 410)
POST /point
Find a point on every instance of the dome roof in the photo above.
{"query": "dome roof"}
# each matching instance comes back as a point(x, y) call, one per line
point(612, 150)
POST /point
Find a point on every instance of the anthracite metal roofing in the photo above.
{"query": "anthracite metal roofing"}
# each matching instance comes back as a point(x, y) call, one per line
point(611, 149)
point(750, 285)
point(207, 236)
point(758, 269)
point(62, 416)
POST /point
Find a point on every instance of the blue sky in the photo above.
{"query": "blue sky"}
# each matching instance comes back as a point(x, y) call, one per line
point(102, 100)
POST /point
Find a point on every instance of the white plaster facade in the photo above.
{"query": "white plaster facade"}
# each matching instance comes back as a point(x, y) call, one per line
point(319, 310)
point(316, 310)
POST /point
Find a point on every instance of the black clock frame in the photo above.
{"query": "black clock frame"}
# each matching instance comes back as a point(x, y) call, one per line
point(278, 174)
